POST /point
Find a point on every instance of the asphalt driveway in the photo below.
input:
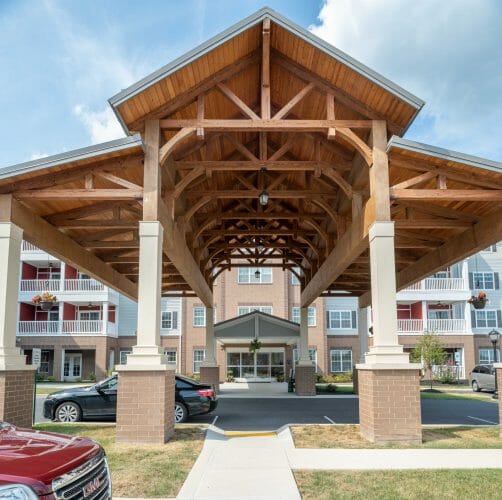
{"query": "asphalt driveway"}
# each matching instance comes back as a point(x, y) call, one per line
point(270, 413)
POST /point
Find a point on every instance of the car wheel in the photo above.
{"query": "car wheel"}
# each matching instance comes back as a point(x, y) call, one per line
point(180, 413)
point(475, 386)
point(68, 412)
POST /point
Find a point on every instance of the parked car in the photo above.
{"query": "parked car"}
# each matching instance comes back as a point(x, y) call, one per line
point(482, 377)
point(45, 465)
point(99, 401)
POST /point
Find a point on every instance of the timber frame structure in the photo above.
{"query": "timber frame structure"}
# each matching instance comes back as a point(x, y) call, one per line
point(264, 108)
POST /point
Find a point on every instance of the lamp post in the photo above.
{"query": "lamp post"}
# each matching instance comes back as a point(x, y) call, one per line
point(494, 337)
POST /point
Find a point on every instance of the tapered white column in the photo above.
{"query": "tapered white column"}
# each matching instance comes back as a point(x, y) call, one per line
point(362, 329)
point(386, 347)
point(147, 351)
point(210, 358)
point(304, 337)
point(106, 306)
point(11, 238)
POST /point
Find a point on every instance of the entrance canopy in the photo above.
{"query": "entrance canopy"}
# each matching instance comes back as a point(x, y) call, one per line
point(266, 328)
point(263, 145)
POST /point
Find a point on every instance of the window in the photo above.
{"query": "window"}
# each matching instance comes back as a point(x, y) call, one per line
point(198, 358)
point(483, 281)
point(486, 356)
point(294, 279)
point(247, 275)
point(295, 315)
point(341, 360)
point(45, 359)
point(485, 318)
point(342, 320)
point(123, 356)
point(491, 249)
point(312, 355)
point(109, 385)
point(199, 316)
point(170, 356)
point(247, 309)
point(169, 320)
point(89, 315)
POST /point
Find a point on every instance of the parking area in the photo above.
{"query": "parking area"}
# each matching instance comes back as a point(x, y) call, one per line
point(259, 414)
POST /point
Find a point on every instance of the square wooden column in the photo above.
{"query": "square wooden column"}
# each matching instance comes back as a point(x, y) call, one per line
point(16, 377)
point(389, 391)
point(305, 377)
point(209, 369)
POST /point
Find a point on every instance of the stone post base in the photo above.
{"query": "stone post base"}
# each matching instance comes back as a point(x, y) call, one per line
point(145, 405)
point(389, 403)
point(16, 397)
point(305, 380)
point(210, 375)
point(498, 371)
point(355, 380)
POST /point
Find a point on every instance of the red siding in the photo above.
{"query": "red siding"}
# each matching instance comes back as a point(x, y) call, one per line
point(28, 272)
point(403, 311)
point(26, 312)
point(69, 312)
point(111, 314)
point(70, 273)
point(416, 310)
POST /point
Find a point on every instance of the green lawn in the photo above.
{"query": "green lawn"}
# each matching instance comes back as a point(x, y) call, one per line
point(479, 396)
point(142, 470)
point(401, 485)
point(339, 389)
point(347, 436)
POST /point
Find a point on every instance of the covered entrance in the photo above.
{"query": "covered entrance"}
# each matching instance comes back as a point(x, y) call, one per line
point(264, 146)
point(272, 361)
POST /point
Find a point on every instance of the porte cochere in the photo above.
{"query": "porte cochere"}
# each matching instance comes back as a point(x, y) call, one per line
point(263, 145)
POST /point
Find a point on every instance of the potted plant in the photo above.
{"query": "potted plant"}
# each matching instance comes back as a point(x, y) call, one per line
point(254, 346)
point(478, 301)
point(45, 300)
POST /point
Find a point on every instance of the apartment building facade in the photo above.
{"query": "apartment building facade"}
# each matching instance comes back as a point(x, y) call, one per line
point(91, 328)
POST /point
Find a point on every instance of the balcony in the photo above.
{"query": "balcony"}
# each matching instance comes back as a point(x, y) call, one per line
point(38, 286)
point(50, 285)
point(83, 285)
point(66, 327)
point(438, 284)
point(443, 326)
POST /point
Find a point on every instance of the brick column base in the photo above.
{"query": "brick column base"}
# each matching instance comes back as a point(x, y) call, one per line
point(145, 405)
point(305, 380)
point(355, 380)
point(16, 397)
point(389, 404)
point(498, 371)
point(210, 375)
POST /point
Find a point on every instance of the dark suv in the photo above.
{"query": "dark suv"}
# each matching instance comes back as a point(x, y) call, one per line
point(43, 465)
point(99, 401)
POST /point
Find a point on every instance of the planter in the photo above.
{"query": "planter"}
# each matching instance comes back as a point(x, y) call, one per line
point(46, 305)
point(479, 304)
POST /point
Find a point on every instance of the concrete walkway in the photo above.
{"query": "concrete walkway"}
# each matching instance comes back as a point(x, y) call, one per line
point(260, 465)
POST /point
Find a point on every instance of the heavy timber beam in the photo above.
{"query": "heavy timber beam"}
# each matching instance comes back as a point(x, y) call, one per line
point(256, 165)
point(45, 236)
point(494, 195)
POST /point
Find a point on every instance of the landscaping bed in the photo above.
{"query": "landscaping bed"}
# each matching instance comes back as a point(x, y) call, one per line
point(142, 470)
point(480, 484)
point(347, 436)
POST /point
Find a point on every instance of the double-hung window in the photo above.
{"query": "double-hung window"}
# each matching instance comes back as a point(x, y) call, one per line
point(295, 315)
point(486, 356)
point(485, 318)
point(247, 309)
point(342, 320)
point(170, 355)
point(198, 358)
point(169, 320)
point(199, 316)
point(254, 275)
point(483, 281)
point(341, 360)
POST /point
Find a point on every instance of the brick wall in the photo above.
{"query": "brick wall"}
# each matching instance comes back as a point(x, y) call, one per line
point(16, 397)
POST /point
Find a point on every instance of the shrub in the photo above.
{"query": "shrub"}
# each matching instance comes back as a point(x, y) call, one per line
point(92, 377)
point(51, 378)
point(40, 377)
point(335, 378)
point(280, 378)
point(230, 376)
point(194, 376)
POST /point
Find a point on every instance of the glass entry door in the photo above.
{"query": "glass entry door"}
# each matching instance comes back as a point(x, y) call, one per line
point(264, 365)
point(72, 369)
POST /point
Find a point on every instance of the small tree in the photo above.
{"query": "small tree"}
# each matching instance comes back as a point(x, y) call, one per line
point(429, 351)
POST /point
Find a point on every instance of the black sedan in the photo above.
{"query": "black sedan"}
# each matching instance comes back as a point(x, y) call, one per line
point(99, 401)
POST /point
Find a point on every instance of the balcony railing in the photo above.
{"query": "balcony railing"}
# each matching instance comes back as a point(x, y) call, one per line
point(46, 285)
point(432, 325)
point(66, 327)
point(83, 285)
point(438, 284)
point(28, 247)
point(54, 285)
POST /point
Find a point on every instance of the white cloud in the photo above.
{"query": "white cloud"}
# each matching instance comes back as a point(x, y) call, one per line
point(37, 155)
point(447, 53)
point(102, 125)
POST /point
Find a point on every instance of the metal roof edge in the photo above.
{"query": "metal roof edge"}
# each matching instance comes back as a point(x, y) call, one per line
point(445, 154)
point(72, 155)
point(247, 23)
point(244, 317)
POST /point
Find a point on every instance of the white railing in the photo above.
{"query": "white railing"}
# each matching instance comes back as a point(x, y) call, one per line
point(446, 325)
point(431, 325)
point(410, 325)
point(46, 285)
point(79, 327)
point(438, 284)
point(28, 247)
point(456, 372)
point(82, 285)
point(38, 327)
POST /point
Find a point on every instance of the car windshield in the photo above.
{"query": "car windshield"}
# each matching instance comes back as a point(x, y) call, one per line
point(107, 384)
point(186, 379)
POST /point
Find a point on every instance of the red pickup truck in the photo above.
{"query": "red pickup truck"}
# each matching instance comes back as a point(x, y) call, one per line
point(43, 465)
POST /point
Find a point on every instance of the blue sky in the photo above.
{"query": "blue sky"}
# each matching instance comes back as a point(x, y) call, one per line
point(61, 60)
